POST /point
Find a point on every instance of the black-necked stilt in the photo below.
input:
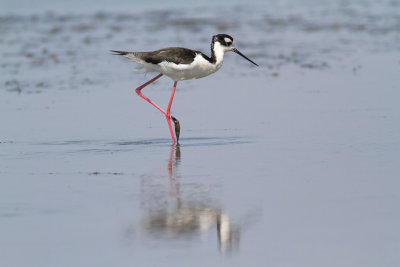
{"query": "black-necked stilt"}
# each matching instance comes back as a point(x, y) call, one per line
point(180, 63)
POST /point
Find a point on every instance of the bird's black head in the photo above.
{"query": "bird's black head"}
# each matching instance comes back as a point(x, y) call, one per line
point(225, 42)
point(223, 39)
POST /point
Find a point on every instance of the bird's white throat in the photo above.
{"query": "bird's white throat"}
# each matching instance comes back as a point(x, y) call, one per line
point(219, 51)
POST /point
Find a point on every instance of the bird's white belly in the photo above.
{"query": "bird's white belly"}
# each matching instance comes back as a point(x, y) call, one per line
point(199, 68)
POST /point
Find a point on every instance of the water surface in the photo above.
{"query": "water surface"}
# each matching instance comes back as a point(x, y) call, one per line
point(294, 163)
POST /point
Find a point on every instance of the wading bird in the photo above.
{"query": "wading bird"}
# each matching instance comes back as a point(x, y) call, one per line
point(180, 63)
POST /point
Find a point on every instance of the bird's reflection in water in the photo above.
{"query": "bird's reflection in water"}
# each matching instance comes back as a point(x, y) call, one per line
point(183, 213)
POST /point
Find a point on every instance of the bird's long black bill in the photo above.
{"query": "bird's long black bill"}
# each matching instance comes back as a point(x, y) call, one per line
point(239, 53)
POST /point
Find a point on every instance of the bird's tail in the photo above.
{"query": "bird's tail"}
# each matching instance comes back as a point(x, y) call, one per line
point(122, 53)
point(134, 56)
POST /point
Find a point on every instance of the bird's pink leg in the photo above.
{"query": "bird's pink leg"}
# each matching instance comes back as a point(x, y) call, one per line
point(166, 113)
point(144, 97)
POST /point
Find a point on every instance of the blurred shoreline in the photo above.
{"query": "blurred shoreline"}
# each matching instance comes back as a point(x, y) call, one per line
point(314, 37)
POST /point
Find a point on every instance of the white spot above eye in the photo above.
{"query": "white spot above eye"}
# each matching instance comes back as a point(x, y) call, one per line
point(227, 40)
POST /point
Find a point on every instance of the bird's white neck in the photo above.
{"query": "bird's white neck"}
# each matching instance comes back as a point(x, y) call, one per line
point(217, 54)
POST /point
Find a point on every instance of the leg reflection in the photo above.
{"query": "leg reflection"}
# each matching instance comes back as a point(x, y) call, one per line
point(174, 210)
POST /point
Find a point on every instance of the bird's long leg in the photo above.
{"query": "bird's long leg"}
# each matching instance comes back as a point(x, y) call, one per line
point(166, 113)
point(146, 98)
point(169, 117)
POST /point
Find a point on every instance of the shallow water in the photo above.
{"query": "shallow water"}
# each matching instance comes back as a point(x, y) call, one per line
point(294, 163)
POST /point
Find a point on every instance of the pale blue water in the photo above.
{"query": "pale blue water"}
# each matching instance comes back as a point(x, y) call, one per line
point(120, 5)
point(294, 163)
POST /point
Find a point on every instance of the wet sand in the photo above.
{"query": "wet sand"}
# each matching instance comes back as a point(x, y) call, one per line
point(294, 163)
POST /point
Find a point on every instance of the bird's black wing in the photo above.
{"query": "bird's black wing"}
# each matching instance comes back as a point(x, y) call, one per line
point(177, 55)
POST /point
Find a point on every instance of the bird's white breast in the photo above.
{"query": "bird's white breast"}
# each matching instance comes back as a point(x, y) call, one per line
point(199, 68)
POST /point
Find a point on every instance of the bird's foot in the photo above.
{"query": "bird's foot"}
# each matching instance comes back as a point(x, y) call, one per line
point(177, 127)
